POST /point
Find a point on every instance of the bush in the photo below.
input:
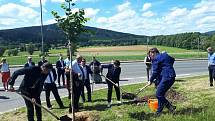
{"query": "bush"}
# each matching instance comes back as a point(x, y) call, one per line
point(15, 52)
point(2, 50)
point(9, 52)
point(30, 49)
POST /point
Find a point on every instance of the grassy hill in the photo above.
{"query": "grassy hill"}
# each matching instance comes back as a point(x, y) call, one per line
point(52, 34)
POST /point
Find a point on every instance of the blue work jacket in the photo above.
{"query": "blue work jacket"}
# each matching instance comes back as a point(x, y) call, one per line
point(162, 67)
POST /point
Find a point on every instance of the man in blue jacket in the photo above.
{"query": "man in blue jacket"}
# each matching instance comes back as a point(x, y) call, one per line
point(162, 67)
point(211, 65)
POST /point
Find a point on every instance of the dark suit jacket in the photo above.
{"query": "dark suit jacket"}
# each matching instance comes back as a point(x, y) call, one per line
point(32, 82)
point(113, 72)
point(27, 65)
point(88, 73)
point(58, 65)
point(40, 63)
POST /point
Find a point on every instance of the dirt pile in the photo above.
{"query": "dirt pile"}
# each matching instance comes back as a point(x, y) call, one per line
point(172, 95)
point(80, 116)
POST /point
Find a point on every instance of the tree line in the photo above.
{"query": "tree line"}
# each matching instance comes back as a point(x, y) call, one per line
point(192, 40)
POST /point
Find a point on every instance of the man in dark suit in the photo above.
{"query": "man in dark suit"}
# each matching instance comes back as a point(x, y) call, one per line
point(42, 61)
point(31, 86)
point(29, 63)
point(49, 86)
point(113, 74)
point(87, 71)
point(60, 65)
point(162, 66)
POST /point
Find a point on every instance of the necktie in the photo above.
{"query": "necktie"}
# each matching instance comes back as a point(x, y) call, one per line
point(50, 77)
point(82, 72)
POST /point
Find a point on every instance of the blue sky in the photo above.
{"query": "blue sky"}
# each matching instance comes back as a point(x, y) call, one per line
point(142, 17)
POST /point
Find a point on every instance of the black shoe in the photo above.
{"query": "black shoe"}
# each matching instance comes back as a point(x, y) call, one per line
point(211, 85)
point(62, 107)
point(69, 97)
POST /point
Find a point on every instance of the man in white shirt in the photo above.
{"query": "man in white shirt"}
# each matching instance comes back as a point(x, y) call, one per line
point(29, 63)
point(49, 86)
point(78, 83)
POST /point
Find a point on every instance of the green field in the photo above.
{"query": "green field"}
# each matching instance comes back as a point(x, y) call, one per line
point(106, 54)
point(195, 102)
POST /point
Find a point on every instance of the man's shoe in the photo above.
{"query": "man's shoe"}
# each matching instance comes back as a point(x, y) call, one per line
point(50, 108)
point(62, 107)
point(211, 85)
point(109, 105)
point(119, 102)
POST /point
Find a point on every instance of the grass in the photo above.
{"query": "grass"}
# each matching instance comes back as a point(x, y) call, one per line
point(197, 105)
point(104, 54)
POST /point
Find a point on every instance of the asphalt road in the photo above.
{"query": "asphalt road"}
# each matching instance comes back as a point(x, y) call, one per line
point(131, 73)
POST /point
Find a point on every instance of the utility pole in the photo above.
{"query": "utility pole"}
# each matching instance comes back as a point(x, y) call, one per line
point(147, 44)
point(41, 27)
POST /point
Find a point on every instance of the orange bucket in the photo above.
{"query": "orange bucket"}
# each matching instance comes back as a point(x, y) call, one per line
point(153, 104)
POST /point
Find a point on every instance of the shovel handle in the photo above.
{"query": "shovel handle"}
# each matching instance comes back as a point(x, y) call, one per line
point(29, 99)
point(113, 83)
point(142, 89)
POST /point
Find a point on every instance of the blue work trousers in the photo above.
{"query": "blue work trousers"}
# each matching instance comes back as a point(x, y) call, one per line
point(162, 88)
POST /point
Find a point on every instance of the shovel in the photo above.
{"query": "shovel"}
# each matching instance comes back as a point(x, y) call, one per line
point(125, 94)
point(62, 118)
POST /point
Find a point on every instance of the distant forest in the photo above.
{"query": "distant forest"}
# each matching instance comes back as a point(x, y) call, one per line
point(54, 38)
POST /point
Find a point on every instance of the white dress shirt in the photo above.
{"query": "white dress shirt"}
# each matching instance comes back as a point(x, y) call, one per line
point(48, 79)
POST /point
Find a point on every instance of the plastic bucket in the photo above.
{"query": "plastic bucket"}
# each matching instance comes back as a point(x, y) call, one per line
point(153, 104)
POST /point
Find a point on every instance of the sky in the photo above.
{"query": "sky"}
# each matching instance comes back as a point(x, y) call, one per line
point(141, 17)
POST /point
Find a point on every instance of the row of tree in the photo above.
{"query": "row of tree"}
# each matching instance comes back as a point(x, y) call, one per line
point(194, 40)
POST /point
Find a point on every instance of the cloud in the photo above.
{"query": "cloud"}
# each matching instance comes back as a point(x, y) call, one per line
point(34, 3)
point(146, 6)
point(175, 13)
point(101, 20)
point(61, 1)
point(148, 14)
point(89, 0)
point(90, 12)
point(58, 1)
point(124, 6)
point(200, 17)
point(14, 15)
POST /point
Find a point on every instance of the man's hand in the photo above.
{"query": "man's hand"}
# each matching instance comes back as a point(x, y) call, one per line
point(149, 83)
point(33, 100)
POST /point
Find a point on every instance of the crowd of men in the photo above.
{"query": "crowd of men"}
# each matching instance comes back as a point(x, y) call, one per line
point(43, 76)
point(159, 71)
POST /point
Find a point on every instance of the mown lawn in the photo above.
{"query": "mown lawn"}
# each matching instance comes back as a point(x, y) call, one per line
point(195, 102)
point(106, 54)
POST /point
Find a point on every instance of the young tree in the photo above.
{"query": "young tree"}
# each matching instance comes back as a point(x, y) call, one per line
point(72, 26)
